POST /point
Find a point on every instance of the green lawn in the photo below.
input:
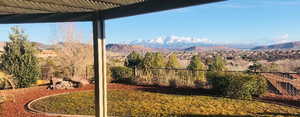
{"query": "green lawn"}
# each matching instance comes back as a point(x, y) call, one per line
point(142, 103)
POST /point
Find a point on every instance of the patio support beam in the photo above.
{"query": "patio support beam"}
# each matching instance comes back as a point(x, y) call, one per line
point(99, 65)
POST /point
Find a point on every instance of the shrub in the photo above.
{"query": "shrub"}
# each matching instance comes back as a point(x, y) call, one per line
point(219, 82)
point(261, 85)
point(122, 74)
point(237, 85)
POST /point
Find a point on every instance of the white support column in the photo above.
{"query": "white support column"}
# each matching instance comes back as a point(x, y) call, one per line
point(99, 67)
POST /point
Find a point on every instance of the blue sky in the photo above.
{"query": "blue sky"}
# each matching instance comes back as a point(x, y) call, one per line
point(232, 21)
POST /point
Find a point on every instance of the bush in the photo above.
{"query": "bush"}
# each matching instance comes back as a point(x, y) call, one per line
point(237, 85)
point(219, 82)
point(122, 75)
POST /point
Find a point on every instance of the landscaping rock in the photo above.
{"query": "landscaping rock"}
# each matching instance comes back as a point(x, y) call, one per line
point(80, 82)
point(57, 83)
point(67, 83)
point(64, 85)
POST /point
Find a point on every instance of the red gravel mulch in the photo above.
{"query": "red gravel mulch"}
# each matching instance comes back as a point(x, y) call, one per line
point(20, 97)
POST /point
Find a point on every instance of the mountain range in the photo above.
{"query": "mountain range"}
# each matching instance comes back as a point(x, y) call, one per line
point(289, 45)
point(175, 42)
point(172, 42)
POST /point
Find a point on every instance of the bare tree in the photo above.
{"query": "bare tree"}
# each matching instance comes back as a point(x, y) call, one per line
point(74, 56)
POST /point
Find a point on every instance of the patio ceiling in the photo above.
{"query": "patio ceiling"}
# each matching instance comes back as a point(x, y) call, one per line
point(37, 11)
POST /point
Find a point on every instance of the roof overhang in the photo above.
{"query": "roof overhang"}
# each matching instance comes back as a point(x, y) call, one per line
point(42, 11)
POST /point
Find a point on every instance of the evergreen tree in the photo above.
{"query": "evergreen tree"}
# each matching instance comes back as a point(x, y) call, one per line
point(133, 60)
point(196, 64)
point(147, 61)
point(218, 64)
point(158, 60)
point(173, 62)
point(19, 60)
point(153, 60)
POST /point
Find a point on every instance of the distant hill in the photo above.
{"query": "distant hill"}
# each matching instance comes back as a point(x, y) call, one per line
point(124, 48)
point(289, 45)
point(42, 46)
point(214, 48)
point(39, 46)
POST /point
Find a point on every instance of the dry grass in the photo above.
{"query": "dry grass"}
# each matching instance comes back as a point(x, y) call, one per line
point(145, 103)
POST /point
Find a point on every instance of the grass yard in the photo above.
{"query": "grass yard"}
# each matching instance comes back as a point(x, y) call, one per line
point(143, 103)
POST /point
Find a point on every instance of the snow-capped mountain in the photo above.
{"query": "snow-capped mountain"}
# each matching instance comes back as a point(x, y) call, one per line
point(174, 42)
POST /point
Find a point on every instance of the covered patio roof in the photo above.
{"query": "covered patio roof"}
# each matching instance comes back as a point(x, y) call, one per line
point(38, 11)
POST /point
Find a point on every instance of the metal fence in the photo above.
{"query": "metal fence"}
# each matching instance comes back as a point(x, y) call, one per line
point(47, 73)
point(169, 77)
point(279, 83)
point(287, 84)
